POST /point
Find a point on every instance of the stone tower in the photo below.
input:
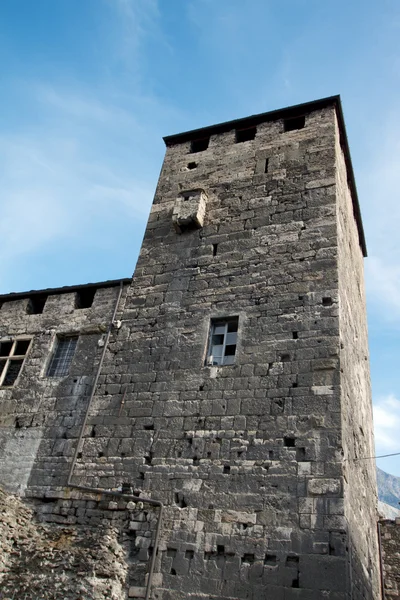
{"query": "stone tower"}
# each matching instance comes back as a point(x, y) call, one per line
point(235, 389)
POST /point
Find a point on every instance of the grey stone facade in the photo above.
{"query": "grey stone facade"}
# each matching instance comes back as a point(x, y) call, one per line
point(255, 223)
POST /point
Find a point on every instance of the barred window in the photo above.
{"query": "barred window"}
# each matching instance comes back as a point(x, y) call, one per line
point(223, 340)
point(12, 356)
point(62, 357)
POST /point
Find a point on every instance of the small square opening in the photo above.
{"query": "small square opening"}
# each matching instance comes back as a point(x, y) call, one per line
point(199, 145)
point(192, 165)
point(245, 135)
point(36, 305)
point(294, 123)
point(84, 298)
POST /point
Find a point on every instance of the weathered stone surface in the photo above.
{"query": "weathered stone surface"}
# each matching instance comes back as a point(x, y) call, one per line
point(253, 460)
point(390, 548)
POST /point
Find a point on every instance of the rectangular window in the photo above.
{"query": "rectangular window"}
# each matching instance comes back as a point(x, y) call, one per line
point(62, 357)
point(12, 356)
point(223, 340)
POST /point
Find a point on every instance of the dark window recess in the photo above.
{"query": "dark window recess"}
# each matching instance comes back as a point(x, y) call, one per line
point(223, 341)
point(13, 370)
point(327, 301)
point(295, 335)
point(300, 454)
point(12, 354)
point(294, 123)
point(266, 165)
point(5, 348)
point(199, 145)
point(245, 135)
point(84, 298)
point(289, 442)
point(248, 558)
point(215, 249)
point(62, 357)
point(36, 305)
point(192, 165)
point(270, 560)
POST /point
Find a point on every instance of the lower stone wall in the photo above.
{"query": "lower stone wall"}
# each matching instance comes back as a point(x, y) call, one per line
point(74, 548)
point(390, 547)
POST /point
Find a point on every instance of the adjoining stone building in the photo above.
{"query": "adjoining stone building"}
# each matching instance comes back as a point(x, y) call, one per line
point(228, 381)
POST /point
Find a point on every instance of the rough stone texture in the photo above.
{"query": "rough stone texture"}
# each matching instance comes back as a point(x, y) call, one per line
point(247, 458)
point(390, 540)
point(40, 416)
point(360, 491)
point(42, 562)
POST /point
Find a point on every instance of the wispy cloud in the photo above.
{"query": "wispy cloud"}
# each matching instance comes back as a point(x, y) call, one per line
point(387, 424)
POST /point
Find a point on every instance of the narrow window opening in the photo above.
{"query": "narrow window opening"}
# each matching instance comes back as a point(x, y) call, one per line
point(271, 455)
point(223, 341)
point(285, 358)
point(84, 298)
point(173, 571)
point(289, 442)
point(227, 469)
point(149, 427)
point(189, 554)
point(248, 559)
point(215, 249)
point(36, 304)
point(295, 335)
point(62, 357)
point(192, 165)
point(220, 550)
point(199, 145)
point(270, 560)
point(327, 301)
point(295, 582)
point(294, 384)
point(245, 135)
point(294, 123)
point(266, 165)
point(126, 488)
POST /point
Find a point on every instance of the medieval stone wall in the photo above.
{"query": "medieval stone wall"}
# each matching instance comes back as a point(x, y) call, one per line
point(390, 541)
point(40, 416)
point(360, 491)
point(247, 457)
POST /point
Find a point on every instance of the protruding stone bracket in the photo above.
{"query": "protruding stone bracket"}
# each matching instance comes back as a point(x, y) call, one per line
point(189, 210)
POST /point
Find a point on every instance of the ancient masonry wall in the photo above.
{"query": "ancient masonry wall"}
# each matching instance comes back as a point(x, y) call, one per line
point(246, 457)
point(40, 416)
point(360, 491)
point(390, 540)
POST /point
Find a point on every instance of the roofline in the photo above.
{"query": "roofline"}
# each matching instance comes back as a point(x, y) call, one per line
point(284, 113)
point(67, 289)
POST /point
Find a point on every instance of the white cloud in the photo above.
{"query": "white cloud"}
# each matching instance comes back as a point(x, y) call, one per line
point(387, 424)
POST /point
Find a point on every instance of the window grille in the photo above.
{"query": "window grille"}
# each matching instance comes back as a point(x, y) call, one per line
point(62, 357)
point(223, 340)
point(12, 356)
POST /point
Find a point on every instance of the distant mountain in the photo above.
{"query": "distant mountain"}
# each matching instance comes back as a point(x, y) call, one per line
point(388, 512)
point(388, 488)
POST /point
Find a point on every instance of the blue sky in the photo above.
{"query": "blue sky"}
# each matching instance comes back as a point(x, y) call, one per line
point(89, 87)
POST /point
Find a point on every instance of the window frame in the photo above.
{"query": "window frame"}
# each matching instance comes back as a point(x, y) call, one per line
point(61, 360)
point(12, 357)
point(219, 322)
